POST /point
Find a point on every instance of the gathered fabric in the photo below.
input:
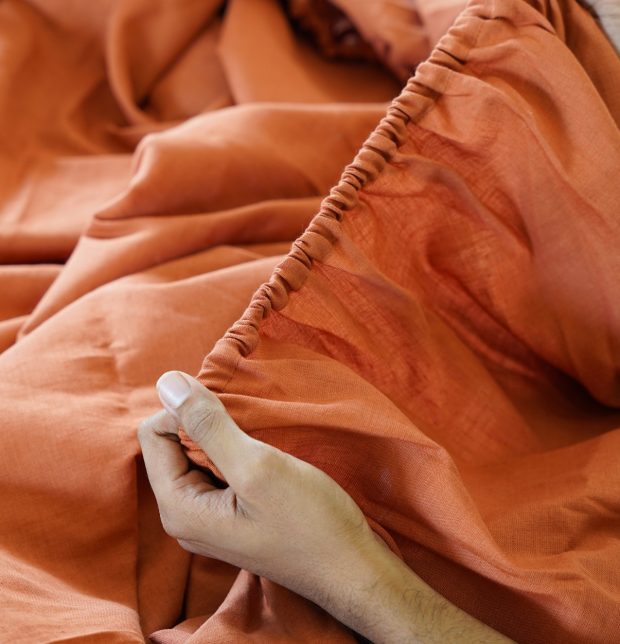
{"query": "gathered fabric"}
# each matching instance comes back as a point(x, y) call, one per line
point(437, 329)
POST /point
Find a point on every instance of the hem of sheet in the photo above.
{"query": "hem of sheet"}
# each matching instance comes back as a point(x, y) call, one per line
point(420, 94)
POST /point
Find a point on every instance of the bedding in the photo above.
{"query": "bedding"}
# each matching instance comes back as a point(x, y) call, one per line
point(438, 329)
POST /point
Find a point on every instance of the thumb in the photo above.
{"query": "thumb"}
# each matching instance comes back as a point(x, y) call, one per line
point(206, 421)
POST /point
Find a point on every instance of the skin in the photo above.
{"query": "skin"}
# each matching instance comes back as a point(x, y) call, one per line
point(288, 521)
point(285, 520)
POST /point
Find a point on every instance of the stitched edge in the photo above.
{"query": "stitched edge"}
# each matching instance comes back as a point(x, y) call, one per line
point(419, 95)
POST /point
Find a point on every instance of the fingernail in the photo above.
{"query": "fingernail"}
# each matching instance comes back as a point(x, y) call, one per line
point(173, 389)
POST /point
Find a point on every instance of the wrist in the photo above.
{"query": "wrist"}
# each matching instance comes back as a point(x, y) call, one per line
point(361, 585)
point(381, 598)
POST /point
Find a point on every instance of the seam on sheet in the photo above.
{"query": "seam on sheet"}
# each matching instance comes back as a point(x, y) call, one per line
point(419, 95)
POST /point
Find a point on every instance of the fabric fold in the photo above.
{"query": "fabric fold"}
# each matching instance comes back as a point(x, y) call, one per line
point(442, 340)
point(438, 331)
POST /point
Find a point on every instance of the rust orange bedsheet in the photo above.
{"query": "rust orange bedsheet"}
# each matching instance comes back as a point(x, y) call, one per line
point(443, 337)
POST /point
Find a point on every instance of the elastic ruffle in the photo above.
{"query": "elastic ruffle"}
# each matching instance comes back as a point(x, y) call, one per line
point(419, 95)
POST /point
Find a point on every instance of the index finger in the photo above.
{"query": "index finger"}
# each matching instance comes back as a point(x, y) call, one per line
point(164, 458)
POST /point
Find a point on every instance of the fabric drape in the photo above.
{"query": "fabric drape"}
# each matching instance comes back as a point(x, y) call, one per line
point(441, 337)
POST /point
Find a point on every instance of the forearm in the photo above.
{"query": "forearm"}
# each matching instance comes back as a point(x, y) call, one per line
point(385, 601)
point(291, 523)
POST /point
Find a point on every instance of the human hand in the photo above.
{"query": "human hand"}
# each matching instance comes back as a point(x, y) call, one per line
point(280, 517)
point(286, 520)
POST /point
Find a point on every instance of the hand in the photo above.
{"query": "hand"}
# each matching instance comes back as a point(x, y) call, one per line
point(280, 517)
point(286, 520)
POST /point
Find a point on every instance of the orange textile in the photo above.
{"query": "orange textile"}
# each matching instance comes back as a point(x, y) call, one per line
point(442, 338)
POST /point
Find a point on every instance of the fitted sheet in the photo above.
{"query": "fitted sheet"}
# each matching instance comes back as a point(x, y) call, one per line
point(442, 337)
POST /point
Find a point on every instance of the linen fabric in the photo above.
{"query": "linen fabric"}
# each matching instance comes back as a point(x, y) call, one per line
point(441, 338)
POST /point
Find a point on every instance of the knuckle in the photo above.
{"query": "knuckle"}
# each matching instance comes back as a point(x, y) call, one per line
point(171, 522)
point(148, 427)
point(203, 421)
point(187, 545)
point(144, 430)
point(262, 471)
